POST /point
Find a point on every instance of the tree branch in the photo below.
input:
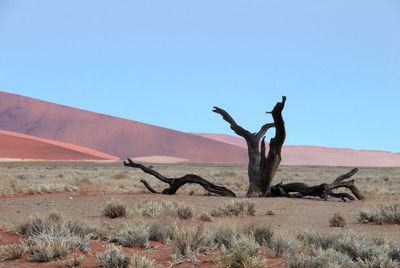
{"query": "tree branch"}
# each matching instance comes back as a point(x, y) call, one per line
point(176, 183)
point(148, 187)
point(264, 130)
point(234, 126)
point(147, 170)
point(322, 190)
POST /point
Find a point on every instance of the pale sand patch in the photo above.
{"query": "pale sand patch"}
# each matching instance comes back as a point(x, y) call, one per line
point(160, 159)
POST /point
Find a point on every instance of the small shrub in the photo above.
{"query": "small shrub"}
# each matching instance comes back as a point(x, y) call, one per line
point(313, 239)
point(84, 230)
point(42, 252)
point(114, 210)
point(12, 251)
point(35, 225)
point(236, 208)
point(383, 214)
point(120, 176)
point(112, 258)
point(56, 217)
point(224, 235)
point(185, 213)
point(361, 251)
point(319, 258)
point(189, 242)
point(337, 221)
point(241, 255)
point(262, 234)
point(139, 261)
point(134, 235)
point(50, 238)
point(73, 261)
point(279, 245)
point(394, 254)
point(162, 231)
point(205, 217)
point(164, 208)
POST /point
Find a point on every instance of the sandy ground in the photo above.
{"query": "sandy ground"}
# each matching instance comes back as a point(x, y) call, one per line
point(290, 216)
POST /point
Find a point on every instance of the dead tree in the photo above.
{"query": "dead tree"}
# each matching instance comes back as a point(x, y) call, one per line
point(176, 183)
point(322, 190)
point(261, 169)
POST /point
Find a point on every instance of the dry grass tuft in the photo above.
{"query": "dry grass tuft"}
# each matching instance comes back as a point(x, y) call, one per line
point(383, 214)
point(133, 235)
point(139, 261)
point(50, 238)
point(112, 257)
point(241, 256)
point(73, 261)
point(262, 233)
point(164, 208)
point(162, 231)
point(114, 210)
point(191, 241)
point(205, 217)
point(337, 220)
point(184, 212)
point(346, 249)
point(279, 245)
point(13, 251)
point(236, 208)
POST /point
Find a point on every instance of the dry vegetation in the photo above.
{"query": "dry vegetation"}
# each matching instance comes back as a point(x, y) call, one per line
point(227, 233)
point(86, 177)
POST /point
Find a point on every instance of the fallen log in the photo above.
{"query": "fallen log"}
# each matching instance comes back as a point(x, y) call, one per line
point(323, 190)
point(176, 183)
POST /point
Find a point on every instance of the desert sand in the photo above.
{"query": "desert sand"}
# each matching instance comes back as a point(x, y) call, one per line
point(15, 146)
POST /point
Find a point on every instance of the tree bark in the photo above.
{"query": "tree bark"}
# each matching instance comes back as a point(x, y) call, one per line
point(176, 183)
point(261, 169)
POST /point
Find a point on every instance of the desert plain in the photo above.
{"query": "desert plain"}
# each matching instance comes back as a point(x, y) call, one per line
point(81, 190)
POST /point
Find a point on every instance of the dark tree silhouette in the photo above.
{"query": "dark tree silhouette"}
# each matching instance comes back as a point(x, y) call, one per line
point(261, 167)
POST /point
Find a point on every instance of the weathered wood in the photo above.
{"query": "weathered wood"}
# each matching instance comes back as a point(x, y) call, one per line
point(261, 169)
point(339, 182)
point(176, 183)
point(271, 163)
point(148, 187)
point(322, 190)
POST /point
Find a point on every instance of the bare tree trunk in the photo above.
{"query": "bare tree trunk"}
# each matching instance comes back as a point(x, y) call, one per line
point(176, 183)
point(261, 170)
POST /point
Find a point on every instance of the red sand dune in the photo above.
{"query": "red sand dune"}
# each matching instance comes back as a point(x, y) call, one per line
point(20, 146)
point(317, 155)
point(127, 138)
point(116, 136)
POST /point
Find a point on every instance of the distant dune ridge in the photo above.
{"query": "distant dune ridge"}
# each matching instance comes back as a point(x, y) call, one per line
point(127, 138)
point(16, 146)
point(318, 155)
point(115, 136)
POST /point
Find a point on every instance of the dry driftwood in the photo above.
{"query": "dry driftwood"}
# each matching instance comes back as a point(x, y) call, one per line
point(261, 169)
point(176, 183)
point(322, 190)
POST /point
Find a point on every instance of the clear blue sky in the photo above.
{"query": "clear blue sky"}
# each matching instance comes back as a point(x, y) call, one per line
point(169, 62)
